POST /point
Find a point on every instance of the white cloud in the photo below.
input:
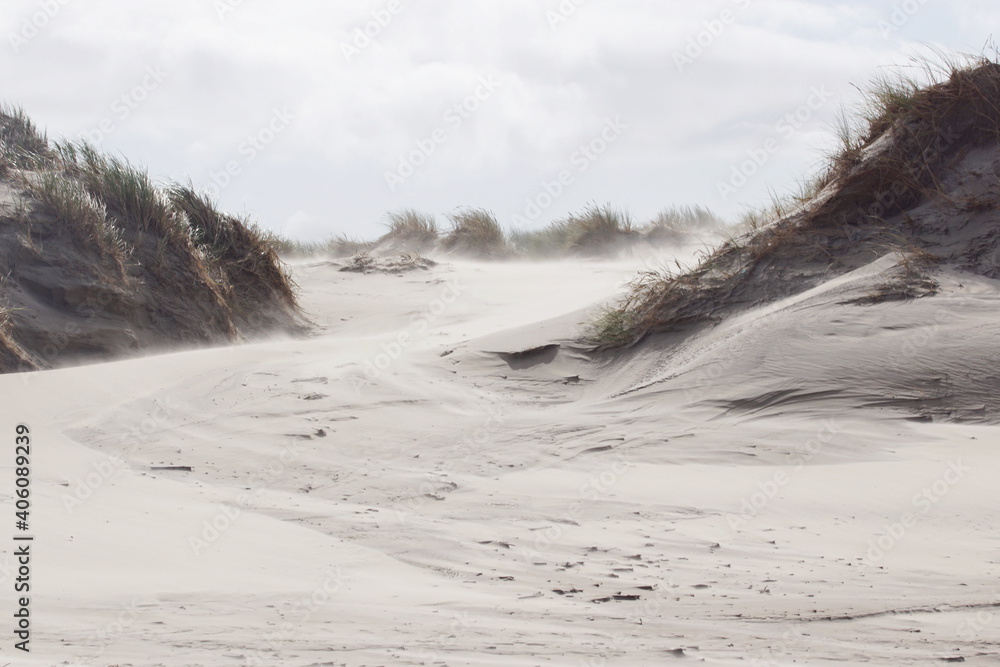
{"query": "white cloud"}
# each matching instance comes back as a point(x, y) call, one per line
point(354, 118)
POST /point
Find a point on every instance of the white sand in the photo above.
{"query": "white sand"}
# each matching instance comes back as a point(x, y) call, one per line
point(736, 484)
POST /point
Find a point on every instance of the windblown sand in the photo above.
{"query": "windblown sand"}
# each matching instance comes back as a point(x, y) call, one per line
point(412, 486)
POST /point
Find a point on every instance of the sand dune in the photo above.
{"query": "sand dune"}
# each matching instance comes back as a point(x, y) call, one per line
point(783, 456)
point(465, 502)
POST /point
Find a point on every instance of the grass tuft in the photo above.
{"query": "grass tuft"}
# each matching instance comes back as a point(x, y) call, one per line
point(611, 326)
point(682, 220)
point(22, 144)
point(920, 122)
point(475, 231)
point(126, 190)
point(76, 209)
point(598, 229)
point(412, 227)
point(239, 248)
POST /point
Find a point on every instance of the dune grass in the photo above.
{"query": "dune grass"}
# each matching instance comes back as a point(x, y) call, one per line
point(126, 190)
point(550, 241)
point(597, 229)
point(917, 113)
point(76, 209)
point(476, 232)
point(681, 220)
point(238, 247)
point(411, 226)
point(336, 246)
point(22, 144)
point(612, 326)
point(594, 231)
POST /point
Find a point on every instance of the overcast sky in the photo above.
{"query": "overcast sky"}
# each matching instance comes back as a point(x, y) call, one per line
point(319, 117)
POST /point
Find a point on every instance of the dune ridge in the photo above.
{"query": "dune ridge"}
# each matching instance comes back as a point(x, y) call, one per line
point(98, 261)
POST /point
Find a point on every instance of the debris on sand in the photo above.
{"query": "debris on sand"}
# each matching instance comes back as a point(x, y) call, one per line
point(398, 264)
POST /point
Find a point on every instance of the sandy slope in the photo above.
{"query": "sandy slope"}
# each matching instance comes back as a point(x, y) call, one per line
point(403, 489)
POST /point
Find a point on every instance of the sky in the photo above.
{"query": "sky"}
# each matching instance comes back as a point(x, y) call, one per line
point(316, 118)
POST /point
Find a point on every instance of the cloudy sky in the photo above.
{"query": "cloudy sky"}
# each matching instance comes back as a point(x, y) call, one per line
point(319, 117)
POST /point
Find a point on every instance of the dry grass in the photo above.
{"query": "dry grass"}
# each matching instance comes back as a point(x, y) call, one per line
point(406, 262)
point(73, 207)
point(236, 247)
point(126, 190)
point(598, 229)
point(542, 243)
point(12, 356)
point(476, 232)
point(338, 246)
point(887, 161)
point(411, 227)
point(676, 221)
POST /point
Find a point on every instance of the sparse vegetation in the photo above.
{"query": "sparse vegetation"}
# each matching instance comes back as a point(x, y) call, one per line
point(164, 264)
point(476, 232)
point(549, 241)
point(236, 248)
point(611, 326)
point(127, 191)
point(919, 124)
point(596, 230)
point(73, 207)
point(22, 145)
point(676, 221)
point(338, 246)
point(411, 228)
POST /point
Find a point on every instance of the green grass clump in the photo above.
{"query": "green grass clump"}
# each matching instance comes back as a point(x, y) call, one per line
point(126, 190)
point(73, 207)
point(612, 327)
point(22, 145)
